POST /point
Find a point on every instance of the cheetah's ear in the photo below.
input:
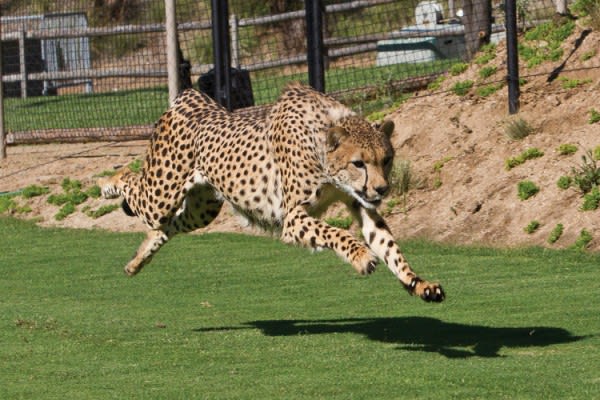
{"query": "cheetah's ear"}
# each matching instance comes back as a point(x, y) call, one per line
point(335, 136)
point(387, 127)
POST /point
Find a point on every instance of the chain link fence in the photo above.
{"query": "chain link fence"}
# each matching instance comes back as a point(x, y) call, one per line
point(97, 70)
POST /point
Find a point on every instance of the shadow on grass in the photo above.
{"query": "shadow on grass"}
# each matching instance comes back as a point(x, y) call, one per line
point(420, 334)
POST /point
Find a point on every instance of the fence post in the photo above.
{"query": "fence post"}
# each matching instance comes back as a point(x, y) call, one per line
point(561, 7)
point(221, 54)
point(23, 63)
point(235, 41)
point(2, 133)
point(512, 56)
point(172, 56)
point(314, 44)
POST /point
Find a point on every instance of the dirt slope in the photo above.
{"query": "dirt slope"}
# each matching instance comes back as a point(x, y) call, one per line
point(472, 199)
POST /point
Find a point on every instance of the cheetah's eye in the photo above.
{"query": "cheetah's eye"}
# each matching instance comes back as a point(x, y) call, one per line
point(358, 164)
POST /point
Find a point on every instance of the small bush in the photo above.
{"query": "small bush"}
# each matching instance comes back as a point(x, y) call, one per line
point(527, 189)
point(401, 177)
point(567, 83)
point(583, 240)
point(587, 55)
point(487, 90)
point(340, 222)
point(462, 88)
point(556, 233)
point(34, 191)
point(107, 172)
point(94, 192)
point(566, 149)
point(528, 154)
point(102, 211)
point(594, 116)
point(596, 153)
point(70, 185)
point(437, 83)
point(564, 182)
point(65, 211)
point(486, 72)
point(532, 227)
point(587, 175)
point(135, 165)
point(517, 129)
point(591, 200)
point(458, 68)
point(7, 204)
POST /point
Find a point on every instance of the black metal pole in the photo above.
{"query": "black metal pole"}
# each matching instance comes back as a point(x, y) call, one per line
point(314, 43)
point(512, 56)
point(221, 52)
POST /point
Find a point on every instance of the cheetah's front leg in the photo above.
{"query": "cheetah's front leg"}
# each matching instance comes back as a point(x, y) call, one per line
point(299, 227)
point(382, 243)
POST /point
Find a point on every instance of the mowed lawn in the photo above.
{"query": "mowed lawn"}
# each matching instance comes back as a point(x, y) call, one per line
point(225, 316)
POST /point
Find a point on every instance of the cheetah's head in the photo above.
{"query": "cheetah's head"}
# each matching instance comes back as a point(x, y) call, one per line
point(359, 159)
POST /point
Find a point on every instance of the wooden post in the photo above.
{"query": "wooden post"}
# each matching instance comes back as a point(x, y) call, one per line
point(2, 133)
point(172, 59)
point(235, 43)
point(22, 64)
point(561, 7)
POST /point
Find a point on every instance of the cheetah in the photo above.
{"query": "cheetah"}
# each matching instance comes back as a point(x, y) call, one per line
point(280, 171)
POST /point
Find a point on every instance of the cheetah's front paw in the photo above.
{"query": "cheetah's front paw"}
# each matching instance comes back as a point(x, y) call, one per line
point(364, 261)
point(426, 290)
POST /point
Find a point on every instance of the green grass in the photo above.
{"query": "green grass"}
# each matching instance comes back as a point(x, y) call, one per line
point(229, 316)
point(123, 108)
point(145, 106)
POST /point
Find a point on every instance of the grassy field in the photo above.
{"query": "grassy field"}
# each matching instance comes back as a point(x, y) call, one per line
point(226, 316)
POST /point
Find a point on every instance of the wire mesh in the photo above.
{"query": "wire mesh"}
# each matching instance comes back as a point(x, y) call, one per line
point(82, 65)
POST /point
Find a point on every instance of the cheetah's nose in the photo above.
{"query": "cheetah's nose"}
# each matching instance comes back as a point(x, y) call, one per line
point(381, 190)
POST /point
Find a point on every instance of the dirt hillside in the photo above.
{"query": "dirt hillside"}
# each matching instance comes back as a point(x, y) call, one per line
point(470, 198)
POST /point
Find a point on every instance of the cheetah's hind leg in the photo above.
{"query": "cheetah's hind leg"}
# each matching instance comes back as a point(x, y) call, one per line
point(199, 208)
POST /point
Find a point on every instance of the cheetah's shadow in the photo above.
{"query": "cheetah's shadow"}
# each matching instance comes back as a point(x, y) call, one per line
point(449, 339)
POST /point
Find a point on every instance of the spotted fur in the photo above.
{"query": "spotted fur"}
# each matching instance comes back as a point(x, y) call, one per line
point(281, 171)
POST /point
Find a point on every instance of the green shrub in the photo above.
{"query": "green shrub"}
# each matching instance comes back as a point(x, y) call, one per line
point(517, 129)
point(528, 154)
point(532, 227)
point(462, 88)
point(94, 192)
point(587, 175)
point(591, 200)
point(588, 55)
point(103, 210)
point(596, 153)
point(527, 189)
point(594, 116)
point(107, 172)
point(66, 210)
point(583, 240)
point(552, 34)
point(568, 83)
point(34, 191)
point(7, 204)
point(566, 149)
point(556, 233)
point(340, 222)
point(458, 68)
point(487, 90)
point(135, 165)
point(564, 182)
point(437, 83)
point(70, 185)
point(486, 72)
